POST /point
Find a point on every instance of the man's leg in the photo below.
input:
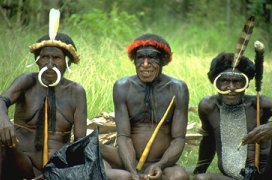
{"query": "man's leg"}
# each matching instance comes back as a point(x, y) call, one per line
point(211, 176)
point(16, 165)
point(116, 174)
point(175, 172)
point(111, 155)
point(113, 163)
point(1, 161)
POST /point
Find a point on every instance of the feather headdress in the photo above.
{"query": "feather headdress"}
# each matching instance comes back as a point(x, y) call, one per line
point(243, 40)
point(56, 39)
point(54, 17)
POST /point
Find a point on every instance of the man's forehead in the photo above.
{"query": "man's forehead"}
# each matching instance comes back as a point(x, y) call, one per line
point(147, 50)
point(51, 49)
point(232, 76)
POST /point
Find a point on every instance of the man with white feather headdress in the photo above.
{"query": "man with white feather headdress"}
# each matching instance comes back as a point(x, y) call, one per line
point(47, 107)
point(233, 122)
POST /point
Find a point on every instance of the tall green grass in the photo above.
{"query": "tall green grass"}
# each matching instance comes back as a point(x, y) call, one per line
point(104, 60)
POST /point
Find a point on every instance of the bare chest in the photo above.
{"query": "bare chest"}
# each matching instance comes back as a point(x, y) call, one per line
point(148, 107)
point(31, 107)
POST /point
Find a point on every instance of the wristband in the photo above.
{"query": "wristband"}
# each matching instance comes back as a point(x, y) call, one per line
point(6, 100)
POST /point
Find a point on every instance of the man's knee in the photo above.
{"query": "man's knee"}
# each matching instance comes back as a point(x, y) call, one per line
point(202, 177)
point(176, 173)
point(114, 174)
point(180, 176)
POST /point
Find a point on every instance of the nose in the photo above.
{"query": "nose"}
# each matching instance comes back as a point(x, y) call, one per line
point(231, 86)
point(50, 64)
point(145, 62)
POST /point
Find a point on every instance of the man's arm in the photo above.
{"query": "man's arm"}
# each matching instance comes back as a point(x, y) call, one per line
point(207, 144)
point(19, 85)
point(262, 133)
point(125, 145)
point(80, 116)
point(178, 127)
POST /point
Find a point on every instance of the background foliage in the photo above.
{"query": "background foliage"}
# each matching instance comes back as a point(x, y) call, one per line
point(196, 30)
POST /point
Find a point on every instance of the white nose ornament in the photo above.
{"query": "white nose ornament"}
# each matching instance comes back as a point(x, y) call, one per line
point(228, 91)
point(45, 69)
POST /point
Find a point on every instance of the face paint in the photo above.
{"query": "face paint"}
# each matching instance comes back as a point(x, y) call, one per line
point(151, 54)
point(147, 64)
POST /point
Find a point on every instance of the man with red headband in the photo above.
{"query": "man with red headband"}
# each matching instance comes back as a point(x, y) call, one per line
point(47, 106)
point(140, 102)
point(228, 117)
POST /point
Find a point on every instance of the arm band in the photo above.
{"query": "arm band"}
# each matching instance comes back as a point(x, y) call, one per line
point(6, 100)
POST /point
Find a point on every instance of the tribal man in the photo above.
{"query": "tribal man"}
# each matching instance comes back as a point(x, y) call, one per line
point(140, 102)
point(47, 106)
point(228, 117)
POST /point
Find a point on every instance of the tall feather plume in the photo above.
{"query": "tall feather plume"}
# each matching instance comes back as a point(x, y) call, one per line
point(243, 40)
point(259, 59)
point(54, 17)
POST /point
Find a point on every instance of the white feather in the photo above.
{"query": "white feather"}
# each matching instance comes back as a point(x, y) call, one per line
point(54, 17)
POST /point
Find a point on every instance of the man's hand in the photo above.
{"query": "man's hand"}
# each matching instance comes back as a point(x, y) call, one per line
point(135, 176)
point(260, 134)
point(7, 134)
point(154, 172)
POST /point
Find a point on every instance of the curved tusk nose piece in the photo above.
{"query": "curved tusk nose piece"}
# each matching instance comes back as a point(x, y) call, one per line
point(216, 88)
point(45, 69)
point(246, 85)
point(228, 91)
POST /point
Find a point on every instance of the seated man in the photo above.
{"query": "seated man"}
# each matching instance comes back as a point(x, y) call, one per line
point(47, 106)
point(140, 102)
point(227, 117)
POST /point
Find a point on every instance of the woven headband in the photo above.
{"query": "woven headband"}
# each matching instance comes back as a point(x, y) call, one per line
point(56, 43)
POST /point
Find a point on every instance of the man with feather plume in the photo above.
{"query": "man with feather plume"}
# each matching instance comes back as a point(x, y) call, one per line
point(233, 122)
point(47, 107)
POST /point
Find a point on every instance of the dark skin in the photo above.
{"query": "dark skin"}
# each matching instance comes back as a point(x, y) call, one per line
point(17, 144)
point(260, 134)
point(209, 115)
point(128, 96)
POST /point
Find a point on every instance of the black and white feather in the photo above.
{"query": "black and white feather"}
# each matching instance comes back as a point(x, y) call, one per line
point(243, 40)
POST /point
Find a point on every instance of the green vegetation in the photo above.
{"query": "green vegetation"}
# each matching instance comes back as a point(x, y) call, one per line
point(102, 36)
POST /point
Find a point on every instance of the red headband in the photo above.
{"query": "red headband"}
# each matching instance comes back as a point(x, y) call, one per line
point(156, 44)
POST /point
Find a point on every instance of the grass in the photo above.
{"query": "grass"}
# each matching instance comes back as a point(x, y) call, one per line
point(104, 60)
point(189, 160)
